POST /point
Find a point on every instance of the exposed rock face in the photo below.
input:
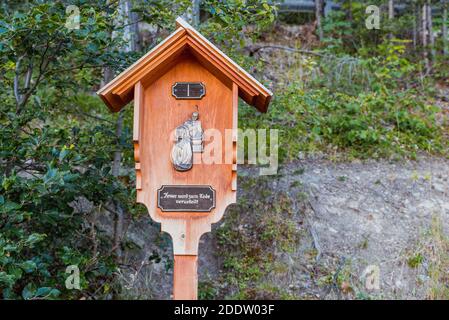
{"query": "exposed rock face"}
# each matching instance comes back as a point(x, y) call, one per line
point(365, 223)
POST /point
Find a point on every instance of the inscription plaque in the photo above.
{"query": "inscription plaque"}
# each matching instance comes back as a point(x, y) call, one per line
point(188, 90)
point(186, 198)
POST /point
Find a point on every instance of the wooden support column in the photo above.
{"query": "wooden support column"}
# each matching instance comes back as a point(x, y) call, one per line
point(185, 278)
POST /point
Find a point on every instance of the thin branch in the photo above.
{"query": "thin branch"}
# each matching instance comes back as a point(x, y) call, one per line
point(110, 210)
point(28, 75)
point(253, 50)
point(88, 115)
point(79, 67)
point(42, 67)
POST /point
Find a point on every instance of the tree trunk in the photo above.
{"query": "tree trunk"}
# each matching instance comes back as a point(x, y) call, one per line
point(135, 34)
point(118, 151)
point(108, 75)
point(124, 20)
point(129, 20)
point(119, 215)
point(196, 12)
point(328, 7)
point(350, 17)
point(390, 9)
point(418, 25)
point(390, 15)
point(424, 37)
point(424, 25)
point(430, 30)
point(444, 31)
point(318, 16)
point(415, 26)
point(134, 28)
point(192, 14)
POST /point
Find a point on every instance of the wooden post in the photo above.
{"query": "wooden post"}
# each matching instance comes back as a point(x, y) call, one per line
point(185, 278)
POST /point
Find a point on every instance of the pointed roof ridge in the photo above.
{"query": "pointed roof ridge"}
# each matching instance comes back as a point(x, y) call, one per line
point(118, 92)
point(184, 24)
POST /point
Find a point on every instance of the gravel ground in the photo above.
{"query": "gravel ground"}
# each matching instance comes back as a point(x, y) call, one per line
point(374, 216)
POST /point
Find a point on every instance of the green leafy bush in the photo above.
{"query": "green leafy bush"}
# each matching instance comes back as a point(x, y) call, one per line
point(54, 151)
point(372, 124)
point(45, 171)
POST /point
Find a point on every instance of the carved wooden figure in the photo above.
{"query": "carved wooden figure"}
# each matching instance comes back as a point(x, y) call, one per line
point(182, 88)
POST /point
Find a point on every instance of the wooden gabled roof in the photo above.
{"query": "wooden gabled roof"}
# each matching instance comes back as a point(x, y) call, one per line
point(117, 93)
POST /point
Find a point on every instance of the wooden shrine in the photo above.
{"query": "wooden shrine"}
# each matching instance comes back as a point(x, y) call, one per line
point(181, 89)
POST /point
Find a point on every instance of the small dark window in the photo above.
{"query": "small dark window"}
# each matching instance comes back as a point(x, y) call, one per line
point(188, 90)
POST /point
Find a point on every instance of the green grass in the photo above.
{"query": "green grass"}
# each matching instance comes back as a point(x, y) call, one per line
point(430, 256)
point(438, 244)
point(415, 261)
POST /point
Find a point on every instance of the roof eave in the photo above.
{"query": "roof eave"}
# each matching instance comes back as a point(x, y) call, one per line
point(260, 96)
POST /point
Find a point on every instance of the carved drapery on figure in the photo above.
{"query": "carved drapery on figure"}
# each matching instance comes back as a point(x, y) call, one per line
point(189, 140)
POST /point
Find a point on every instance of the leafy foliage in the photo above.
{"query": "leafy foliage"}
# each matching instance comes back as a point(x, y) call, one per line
point(52, 155)
point(371, 124)
point(369, 98)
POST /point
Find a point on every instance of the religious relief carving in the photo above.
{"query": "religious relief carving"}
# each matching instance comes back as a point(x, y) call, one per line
point(188, 140)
